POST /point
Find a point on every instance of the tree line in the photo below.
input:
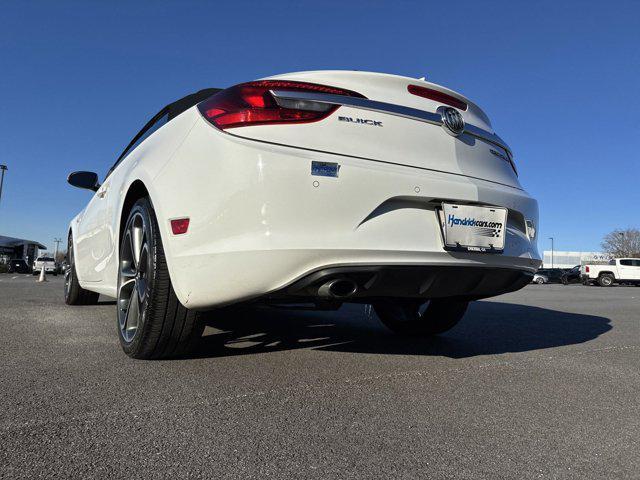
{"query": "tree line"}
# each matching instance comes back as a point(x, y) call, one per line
point(622, 243)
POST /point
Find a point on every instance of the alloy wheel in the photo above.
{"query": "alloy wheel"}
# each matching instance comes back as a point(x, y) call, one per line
point(67, 271)
point(133, 280)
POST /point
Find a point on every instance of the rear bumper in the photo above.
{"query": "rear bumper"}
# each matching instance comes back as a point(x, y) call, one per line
point(220, 279)
point(261, 222)
point(402, 281)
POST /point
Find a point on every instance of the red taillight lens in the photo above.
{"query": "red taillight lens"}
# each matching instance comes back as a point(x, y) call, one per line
point(586, 269)
point(179, 225)
point(437, 96)
point(252, 104)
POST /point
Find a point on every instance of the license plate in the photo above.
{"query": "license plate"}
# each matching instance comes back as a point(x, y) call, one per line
point(472, 228)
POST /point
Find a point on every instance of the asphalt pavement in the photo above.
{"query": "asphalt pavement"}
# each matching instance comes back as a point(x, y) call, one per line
point(541, 383)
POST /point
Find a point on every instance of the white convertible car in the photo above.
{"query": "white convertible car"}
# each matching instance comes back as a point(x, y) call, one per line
point(314, 188)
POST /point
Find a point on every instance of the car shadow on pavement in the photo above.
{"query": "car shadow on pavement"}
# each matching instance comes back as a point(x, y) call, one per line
point(106, 302)
point(488, 328)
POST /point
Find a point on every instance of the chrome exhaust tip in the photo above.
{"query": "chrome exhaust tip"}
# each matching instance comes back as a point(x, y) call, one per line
point(338, 288)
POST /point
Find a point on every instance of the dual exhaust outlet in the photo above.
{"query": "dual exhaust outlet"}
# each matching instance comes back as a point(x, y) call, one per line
point(338, 288)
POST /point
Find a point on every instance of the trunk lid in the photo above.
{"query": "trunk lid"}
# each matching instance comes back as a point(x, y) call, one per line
point(395, 136)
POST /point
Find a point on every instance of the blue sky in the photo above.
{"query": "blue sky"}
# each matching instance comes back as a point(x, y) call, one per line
point(560, 81)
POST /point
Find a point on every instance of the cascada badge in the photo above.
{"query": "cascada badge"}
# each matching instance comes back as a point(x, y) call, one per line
point(480, 227)
point(361, 121)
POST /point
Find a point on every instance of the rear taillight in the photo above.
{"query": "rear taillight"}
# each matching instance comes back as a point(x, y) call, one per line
point(437, 96)
point(586, 269)
point(253, 104)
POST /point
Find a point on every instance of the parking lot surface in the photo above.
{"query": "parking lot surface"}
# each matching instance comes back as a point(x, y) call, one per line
point(541, 383)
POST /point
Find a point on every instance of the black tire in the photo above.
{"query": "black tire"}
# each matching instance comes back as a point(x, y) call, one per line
point(151, 322)
point(606, 280)
point(410, 317)
point(74, 294)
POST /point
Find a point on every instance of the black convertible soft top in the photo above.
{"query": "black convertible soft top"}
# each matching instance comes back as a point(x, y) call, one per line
point(185, 103)
point(172, 110)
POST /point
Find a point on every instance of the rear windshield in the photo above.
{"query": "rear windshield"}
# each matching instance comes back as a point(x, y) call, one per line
point(45, 259)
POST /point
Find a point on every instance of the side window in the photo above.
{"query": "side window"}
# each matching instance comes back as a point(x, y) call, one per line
point(158, 121)
point(626, 263)
point(636, 263)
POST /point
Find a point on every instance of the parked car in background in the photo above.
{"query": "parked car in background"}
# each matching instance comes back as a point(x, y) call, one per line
point(549, 275)
point(540, 279)
point(619, 270)
point(48, 263)
point(18, 265)
point(573, 275)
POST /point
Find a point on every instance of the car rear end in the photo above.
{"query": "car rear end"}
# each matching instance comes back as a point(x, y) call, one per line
point(590, 273)
point(47, 263)
point(18, 266)
point(585, 271)
point(398, 186)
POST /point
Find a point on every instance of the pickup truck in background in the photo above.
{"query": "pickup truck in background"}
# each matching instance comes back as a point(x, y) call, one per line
point(619, 270)
point(48, 263)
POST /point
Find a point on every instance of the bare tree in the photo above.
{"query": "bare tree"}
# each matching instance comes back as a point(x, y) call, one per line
point(623, 243)
point(61, 256)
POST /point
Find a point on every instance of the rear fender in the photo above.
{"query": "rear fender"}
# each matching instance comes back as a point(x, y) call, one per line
point(606, 272)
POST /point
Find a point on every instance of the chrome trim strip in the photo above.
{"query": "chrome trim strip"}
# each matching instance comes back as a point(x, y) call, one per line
point(389, 108)
point(487, 136)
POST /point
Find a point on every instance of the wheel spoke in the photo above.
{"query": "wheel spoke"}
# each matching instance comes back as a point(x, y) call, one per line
point(127, 267)
point(132, 248)
point(128, 284)
point(125, 293)
point(133, 315)
point(128, 271)
point(123, 310)
point(136, 242)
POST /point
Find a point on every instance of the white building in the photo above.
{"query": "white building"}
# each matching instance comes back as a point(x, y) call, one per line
point(571, 259)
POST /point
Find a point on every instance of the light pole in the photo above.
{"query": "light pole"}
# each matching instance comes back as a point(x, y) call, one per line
point(55, 255)
point(3, 168)
point(551, 238)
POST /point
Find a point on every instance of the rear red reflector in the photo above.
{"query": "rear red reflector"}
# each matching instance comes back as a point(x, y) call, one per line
point(179, 226)
point(437, 96)
point(253, 104)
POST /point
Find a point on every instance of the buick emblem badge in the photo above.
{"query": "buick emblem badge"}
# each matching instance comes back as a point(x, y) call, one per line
point(452, 120)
